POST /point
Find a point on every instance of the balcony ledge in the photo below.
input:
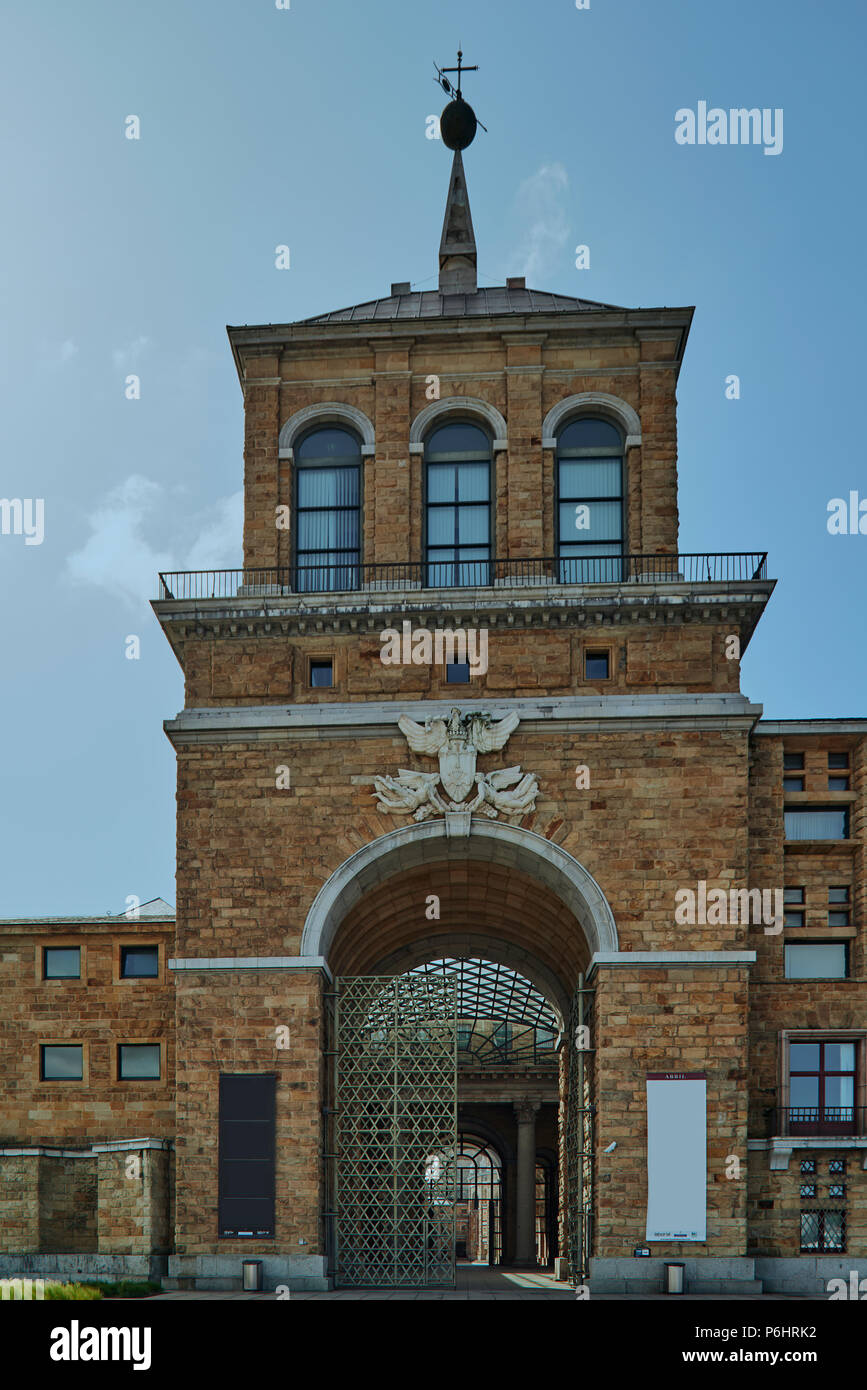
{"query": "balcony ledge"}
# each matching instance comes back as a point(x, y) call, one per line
point(782, 1147)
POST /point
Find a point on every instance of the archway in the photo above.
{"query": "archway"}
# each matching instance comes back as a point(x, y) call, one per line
point(512, 921)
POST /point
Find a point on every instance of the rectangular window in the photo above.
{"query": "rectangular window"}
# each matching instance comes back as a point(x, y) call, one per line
point(458, 508)
point(838, 760)
point(823, 1231)
point(61, 963)
point(321, 674)
point(597, 665)
point(837, 1166)
point(327, 512)
point(589, 477)
point(465, 1032)
point(793, 895)
point(838, 784)
point(818, 823)
point(838, 895)
point(61, 1062)
point(139, 962)
point(793, 784)
point(837, 1189)
point(458, 673)
point(138, 1062)
point(247, 1155)
point(793, 762)
point(816, 960)
point(793, 918)
point(839, 919)
point(822, 1088)
point(808, 1165)
point(808, 1191)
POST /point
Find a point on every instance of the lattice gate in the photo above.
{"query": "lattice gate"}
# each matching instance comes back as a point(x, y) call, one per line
point(395, 1131)
point(579, 1135)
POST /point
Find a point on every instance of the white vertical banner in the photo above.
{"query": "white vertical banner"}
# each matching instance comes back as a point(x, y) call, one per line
point(676, 1156)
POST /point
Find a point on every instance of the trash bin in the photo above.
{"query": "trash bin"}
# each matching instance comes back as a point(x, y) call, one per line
point(674, 1278)
point(251, 1276)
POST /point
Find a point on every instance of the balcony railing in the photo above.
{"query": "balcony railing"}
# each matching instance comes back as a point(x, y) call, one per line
point(816, 1122)
point(346, 577)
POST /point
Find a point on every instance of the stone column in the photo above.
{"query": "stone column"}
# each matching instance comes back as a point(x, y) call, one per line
point(525, 1231)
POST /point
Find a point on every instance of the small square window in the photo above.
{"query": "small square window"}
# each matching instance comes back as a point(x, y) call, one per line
point(793, 918)
point(793, 762)
point(838, 895)
point(597, 665)
point(816, 960)
point(839, 919)
point(457, 673)
point(139, 962)
point(837, 1189)
point(838, 760)
point(793, 895)
point(793, 784)
point(61, 1063)
point(138, 1062)
point(808, 1165)
point(838, 784)
point(837, 1166)
point(61, 963)
point(321, 674)
point(808, 1190)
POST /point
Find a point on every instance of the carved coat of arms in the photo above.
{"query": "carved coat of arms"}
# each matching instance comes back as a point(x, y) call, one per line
point(457, 742)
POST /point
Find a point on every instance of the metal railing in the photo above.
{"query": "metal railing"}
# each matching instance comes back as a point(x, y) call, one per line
point(816, 1122)
point(544, 572)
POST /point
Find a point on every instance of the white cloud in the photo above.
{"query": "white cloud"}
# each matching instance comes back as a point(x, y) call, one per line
point(540, 201)
point(127, 356)
point(58, 354)
point(219, 543)
point(119, 557)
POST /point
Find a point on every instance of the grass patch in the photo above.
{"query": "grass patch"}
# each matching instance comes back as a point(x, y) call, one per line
point(73, 1293)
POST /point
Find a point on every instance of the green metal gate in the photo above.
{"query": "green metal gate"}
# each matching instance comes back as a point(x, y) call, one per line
point(579, 1136)
point(395, 1131)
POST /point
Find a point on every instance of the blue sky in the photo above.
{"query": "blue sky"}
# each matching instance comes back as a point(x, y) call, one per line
point(306, 127)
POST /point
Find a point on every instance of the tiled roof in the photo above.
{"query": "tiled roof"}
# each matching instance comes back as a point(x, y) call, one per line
point(431, 304)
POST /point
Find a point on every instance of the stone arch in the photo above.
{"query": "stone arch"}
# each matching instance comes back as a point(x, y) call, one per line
point(326, 413)
point(492, 842)
point(439, 411)
point(592, 402)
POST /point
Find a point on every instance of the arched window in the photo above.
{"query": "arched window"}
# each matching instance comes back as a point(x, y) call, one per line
point(458, 506)
point(590, 501)
point(327, 510)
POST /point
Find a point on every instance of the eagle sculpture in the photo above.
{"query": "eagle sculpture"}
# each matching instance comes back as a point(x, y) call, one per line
point(456, 742)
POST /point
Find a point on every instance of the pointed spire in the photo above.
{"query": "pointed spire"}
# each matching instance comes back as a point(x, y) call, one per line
point(458, 257)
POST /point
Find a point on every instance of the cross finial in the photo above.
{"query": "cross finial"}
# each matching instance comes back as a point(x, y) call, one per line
point(460, 69)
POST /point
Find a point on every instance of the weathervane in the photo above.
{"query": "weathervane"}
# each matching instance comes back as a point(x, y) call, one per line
point(458, 121)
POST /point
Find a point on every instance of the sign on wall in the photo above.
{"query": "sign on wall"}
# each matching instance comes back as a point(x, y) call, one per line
point(676, 1156)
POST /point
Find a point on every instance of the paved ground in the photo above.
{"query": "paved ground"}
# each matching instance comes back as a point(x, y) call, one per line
point(475, 1282)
